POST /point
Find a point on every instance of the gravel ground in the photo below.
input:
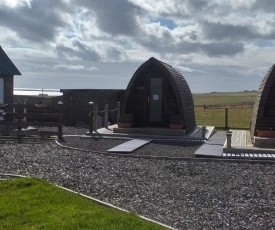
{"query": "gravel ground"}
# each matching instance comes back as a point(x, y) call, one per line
point(94, 144)
point(182, 194)
point(168, 148)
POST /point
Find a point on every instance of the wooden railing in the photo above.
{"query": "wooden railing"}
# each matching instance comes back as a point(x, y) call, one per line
point(94, 112)
point(17, 117)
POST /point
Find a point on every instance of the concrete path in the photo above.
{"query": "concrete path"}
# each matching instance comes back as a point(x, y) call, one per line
point(130, 146)
point(213, 146)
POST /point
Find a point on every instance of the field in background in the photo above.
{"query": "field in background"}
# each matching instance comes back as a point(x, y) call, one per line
point(224, 98)
point(210, 109)
point(237, 118)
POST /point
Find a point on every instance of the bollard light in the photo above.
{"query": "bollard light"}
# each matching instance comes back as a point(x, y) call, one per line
point(60, 102)
point(203, 131)
point(229, 139)
point(91, 103)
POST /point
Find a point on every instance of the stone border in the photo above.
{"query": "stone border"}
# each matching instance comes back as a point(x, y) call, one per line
point(199, 159)
point(95, 200)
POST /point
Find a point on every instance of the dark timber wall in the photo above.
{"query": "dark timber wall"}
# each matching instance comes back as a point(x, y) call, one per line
point(8, 89)
point(76, 103)
point(176, 98)
point(263, 117)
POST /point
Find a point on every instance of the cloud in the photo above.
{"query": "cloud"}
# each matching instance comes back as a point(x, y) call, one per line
point(37, 21)
point(206, 39)
point(114, 17)
point(73, 67)
point(222, 49)
point(219, 31)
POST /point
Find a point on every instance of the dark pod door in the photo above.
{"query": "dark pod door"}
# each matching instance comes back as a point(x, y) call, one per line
point(155, 101)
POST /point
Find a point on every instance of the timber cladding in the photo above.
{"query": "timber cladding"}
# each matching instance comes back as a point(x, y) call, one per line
point(76, 104)
point(263, 117)
point(171, 97)
point(8, 89)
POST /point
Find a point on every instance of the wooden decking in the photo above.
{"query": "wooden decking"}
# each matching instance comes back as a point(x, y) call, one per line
point(242, 147)
point(241, 138)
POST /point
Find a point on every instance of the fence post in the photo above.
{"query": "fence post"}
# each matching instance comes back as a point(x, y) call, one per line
point(25, 109)
point(118, 112)
point(91, 117)
point(106, 116)
point(203, 132)
point(95, 118)
point(226, 118)
point(60, 119)
point(228, 139)
point(19, 122)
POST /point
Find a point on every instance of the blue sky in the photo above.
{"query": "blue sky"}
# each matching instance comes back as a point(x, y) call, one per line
point(216, 45)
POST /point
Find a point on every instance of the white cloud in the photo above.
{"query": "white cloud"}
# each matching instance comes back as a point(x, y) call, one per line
point(69, 67)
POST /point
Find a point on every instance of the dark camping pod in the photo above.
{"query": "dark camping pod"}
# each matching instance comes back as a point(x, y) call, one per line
point(263, 118)
point(157, 95)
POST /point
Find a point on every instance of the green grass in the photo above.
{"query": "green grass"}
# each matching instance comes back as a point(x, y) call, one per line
point(224, 98)
point(35, 204)
point(237, 118)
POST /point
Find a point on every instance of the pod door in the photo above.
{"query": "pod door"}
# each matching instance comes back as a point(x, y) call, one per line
point(155, 102)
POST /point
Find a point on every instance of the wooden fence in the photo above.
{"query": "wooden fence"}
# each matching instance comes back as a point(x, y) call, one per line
point(224, 118)
point(18, 117)
point(94, 112)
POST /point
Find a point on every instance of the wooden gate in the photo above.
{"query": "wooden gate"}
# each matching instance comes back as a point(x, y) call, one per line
point(17, 117)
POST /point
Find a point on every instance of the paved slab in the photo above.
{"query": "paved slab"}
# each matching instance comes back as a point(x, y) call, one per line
point(130, 146)
point(213, 146)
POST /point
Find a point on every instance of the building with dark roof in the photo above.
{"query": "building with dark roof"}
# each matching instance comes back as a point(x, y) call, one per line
point(263, 117)
point(7, 72)
point(156, 94)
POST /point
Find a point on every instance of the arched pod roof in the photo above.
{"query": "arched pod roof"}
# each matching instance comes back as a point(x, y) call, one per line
point(180, 88)
point(263, 117)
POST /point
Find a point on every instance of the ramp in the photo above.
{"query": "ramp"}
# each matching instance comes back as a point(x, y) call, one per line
point(213, 146)
point(130, 146)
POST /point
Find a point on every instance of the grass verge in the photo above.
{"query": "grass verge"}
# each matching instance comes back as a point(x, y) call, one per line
point(30, 203)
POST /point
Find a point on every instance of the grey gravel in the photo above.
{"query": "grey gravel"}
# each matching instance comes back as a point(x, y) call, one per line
point(182, 194)
point(98, 144)
point(169, 148)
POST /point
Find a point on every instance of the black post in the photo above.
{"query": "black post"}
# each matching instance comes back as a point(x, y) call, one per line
point(118, 112)
point(19, 120)
point(226, 118)
point(91, 117)
point(60, 120)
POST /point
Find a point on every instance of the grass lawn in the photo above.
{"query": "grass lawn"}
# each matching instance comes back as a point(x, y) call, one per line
point(35, 204)
point(224, 98)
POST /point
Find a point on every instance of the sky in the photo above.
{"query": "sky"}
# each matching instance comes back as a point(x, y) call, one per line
point(217, 45)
